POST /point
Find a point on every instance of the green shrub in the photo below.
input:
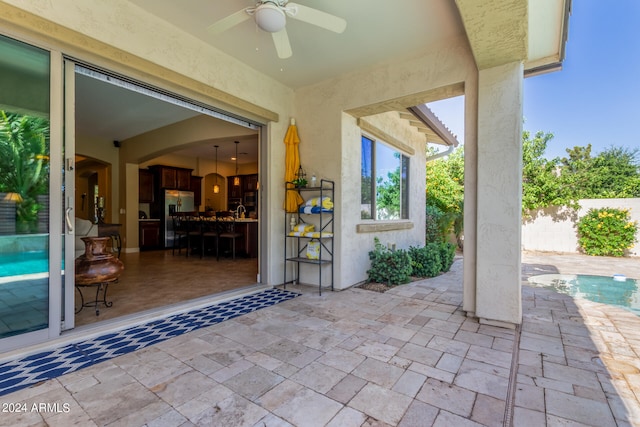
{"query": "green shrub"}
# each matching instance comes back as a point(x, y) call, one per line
point(425, 261)
point(447, 254)
point(438, 223)
point(607, 232)
point(392, 267)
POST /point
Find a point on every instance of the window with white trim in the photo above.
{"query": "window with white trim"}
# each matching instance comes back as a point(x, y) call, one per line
point(384, 181)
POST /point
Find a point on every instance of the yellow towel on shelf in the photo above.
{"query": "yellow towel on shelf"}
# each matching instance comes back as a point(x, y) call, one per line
point(304, 228)
point(317, 234)
point(326, 202)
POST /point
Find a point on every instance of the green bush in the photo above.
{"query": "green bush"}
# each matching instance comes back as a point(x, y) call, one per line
point(607, 232)
point(387, 266)
point(447, 254)
point(426, 261)
point(437, 224)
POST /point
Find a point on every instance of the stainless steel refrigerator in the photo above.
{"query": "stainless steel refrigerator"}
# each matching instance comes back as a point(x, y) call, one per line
point(175, 201)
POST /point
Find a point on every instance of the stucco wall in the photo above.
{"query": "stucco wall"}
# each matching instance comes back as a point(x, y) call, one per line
point(330, 138)
point(331, 143)
point(555, 229)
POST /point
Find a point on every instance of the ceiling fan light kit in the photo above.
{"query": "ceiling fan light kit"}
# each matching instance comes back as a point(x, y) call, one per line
point(271, 16)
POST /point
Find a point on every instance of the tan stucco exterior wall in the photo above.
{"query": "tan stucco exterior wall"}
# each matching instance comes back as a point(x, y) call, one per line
point(332, 138)
point(123, 38)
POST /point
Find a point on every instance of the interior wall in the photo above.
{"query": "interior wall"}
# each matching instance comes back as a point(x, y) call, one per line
point(104, 151)
point(217, 202)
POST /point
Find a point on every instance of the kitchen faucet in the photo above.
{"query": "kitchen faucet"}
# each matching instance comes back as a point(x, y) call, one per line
point(240, 207)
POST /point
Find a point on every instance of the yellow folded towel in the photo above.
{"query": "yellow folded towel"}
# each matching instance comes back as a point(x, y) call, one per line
point(317, 234)
point(304, 228)
point(326, 202)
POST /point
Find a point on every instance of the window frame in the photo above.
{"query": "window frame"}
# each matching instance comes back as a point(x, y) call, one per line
point(405, 178)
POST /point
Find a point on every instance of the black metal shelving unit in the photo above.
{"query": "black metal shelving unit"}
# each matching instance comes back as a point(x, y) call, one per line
point(323, 221)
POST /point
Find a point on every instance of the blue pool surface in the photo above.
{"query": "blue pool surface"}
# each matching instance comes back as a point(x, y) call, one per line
point(600, 289)
point(23, 263)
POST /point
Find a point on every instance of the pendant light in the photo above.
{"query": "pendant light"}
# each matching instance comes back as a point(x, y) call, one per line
point(216, 187)
point(236, 179)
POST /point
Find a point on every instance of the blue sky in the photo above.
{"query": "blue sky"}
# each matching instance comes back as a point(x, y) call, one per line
point(595, 98)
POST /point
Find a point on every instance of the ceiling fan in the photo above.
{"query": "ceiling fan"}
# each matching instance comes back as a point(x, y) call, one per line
point(271, 16)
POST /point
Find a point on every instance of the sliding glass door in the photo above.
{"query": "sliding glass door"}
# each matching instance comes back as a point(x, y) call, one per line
point(31, 247)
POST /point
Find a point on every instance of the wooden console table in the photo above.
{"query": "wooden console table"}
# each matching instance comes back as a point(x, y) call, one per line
point(113, 231)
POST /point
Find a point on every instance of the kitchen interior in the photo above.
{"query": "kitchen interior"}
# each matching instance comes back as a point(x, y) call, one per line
point(203, 176)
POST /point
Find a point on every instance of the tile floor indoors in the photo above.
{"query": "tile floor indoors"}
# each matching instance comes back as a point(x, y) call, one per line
point(154, 279)
point(408, 357)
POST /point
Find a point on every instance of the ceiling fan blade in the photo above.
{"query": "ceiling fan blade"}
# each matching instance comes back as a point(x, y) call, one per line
point(225, 23)
point(283, 47)
point(318, 18)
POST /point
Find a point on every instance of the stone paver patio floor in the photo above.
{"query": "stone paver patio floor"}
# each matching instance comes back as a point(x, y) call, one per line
point(409, 357)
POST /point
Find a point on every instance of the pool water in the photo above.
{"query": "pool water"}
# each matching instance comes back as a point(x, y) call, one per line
point(600, 289)
point(24, 263)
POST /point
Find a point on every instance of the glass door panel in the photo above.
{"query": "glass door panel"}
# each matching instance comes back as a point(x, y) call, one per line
point(24, 188)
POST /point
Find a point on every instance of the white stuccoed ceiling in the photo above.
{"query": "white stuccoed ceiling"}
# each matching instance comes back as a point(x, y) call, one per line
point(377, 31)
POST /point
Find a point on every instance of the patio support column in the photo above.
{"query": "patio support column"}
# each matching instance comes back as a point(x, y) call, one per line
point(499, 191)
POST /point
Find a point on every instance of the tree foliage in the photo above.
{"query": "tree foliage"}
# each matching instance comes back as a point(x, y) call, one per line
point(612, 173)
point(24, 163)
point(445, 196)
point(541, 183)
point(388, 195)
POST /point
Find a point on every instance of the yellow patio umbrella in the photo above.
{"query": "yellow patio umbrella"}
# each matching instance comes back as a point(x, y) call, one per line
point(292, 163)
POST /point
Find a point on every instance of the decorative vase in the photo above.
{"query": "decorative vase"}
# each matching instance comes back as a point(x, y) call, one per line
point(97, 265)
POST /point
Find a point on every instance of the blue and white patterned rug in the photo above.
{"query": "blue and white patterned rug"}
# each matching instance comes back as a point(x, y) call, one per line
point(33, 369)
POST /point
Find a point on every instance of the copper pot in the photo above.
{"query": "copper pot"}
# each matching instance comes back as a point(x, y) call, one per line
point(97, 265)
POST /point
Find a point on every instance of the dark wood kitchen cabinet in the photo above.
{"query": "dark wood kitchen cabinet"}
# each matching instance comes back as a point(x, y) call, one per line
point(196, 187)
point(250, 182)
point(145, 186)
point(172, 177)
point(149, 234)
point(235, 191)
point(183, 179)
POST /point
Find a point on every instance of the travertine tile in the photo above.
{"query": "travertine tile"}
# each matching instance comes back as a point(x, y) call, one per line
point(447, 396)
point(232, 411)
point(344, 391)
point(376, 350)
point(347, 417)
point(308, 408)
point(578, 409)
point(482, 382)
point(523, 417)
point(183, 388)
point(488, 411)
point(409, 383)
point(381, 403)
point(447, 419)
point(319, 377)
point(419, 414)
point(378, 372)
point(530, 397)
point(253, 382)
point(341, 359)
point(432, 372)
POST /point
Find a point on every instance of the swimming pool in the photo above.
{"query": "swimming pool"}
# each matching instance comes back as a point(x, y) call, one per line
point(24, 263)
point(621, 292)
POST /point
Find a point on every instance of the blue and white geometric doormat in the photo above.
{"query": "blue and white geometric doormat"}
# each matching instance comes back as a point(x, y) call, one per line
point(33, 369)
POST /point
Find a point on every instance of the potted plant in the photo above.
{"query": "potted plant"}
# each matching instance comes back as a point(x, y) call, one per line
point(300, 182)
